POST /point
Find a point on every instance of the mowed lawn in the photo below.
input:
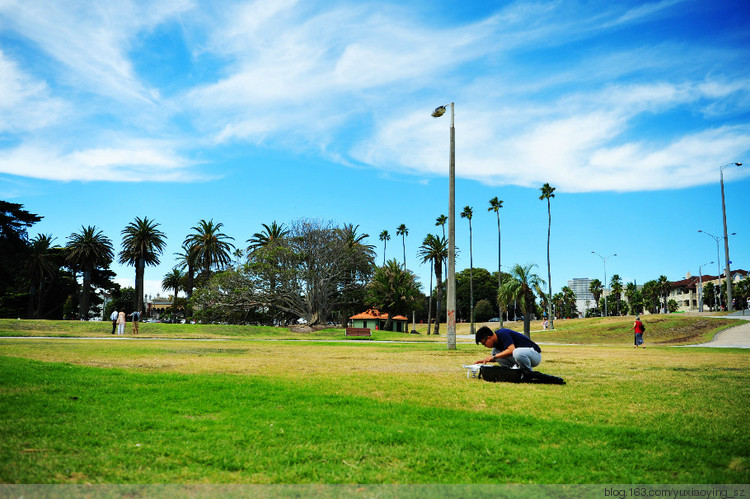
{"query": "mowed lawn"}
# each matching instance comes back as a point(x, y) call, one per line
point(249, 411)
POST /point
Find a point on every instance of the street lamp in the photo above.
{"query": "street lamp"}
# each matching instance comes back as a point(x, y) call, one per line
point(451, 305)
point(700, 285)
point(718, 266)
point(604, 261)
point(726, 239)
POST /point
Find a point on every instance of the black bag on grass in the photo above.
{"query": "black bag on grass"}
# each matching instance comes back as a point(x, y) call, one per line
point(507, 375)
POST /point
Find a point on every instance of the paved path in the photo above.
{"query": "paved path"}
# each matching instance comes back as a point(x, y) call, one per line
point(734, 337)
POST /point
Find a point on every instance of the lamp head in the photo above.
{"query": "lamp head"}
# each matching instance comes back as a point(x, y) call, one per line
point(438, 112)
point(738, 164)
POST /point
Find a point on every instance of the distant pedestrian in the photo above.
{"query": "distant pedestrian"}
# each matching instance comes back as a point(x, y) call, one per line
point(113, 318)
point(121, 323)
point(135, 317)
point(638, 328)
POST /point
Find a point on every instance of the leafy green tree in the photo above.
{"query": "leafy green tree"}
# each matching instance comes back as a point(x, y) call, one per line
point(468, 213)
point(672, 306)
point(485, 288)
point(211, 247)
point(709, 295)
point(310, 272)
point(88, 250)
point(634, 298)
point(41, 267)
point(651, 295)
point(547, 193)
point(393, 290)
point(435, 250)
point(520, 288)
point(495, 205)
point(142, 243)
point(14, 250)
point(664, 288)
point(385, 237)
point(402, 231)
point(484, 310)
point(360, 265)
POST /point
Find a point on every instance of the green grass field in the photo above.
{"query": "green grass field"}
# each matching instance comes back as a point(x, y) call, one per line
point(246, 410)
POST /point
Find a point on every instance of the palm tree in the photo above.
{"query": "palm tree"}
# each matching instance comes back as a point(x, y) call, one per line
point(519, 288)
point(495, 205)
point(211, 247)
point(187, 261)
point(547, 193)
point(595, 288)
point(40, 267)
point(142, 243)
point(270, 236)
point(435, 249)
point(402, 231)
point(173, 280)
point(358, 268)
point(88, 250)
point(468, 213)
point(440, 222)
point(632, 294)
point(615, 285)
point(385, 237)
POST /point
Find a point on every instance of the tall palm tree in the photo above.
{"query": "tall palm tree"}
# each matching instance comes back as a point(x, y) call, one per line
point(270, 235)
point(187, 260)
point(402, 231)
point(547, 193)
point(615, 285)
point(520, 288)
point(211, 246)
point(595, 288)
point(440, 222)
point(468, 213)
point(142, 243)
point(40, 267)
point(423, 250)
point(495, 205)
point(173, 280)
point(88, 250)
point(435, 250)
point(385, 237)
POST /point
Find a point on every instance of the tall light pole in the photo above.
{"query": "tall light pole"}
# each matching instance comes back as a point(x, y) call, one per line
point(700, 285)
point(451, 305)
point(728, 277)
point(604, 261)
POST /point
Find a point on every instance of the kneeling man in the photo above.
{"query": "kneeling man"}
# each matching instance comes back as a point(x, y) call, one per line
point(509, 348)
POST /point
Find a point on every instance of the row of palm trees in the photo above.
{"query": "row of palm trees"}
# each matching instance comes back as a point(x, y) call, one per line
point(206, 249)
point(434, 250)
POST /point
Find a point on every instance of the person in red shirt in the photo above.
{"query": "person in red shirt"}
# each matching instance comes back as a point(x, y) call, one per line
point(639, 329)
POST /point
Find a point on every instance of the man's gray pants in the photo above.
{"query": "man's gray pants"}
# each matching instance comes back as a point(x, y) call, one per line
point(522, 357)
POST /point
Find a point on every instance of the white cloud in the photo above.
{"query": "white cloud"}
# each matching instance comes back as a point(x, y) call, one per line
point(131, 161)
point(25, 102)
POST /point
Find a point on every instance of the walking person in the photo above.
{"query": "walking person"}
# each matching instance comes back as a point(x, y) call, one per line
point(113, 318)
point(638, 328)
point(135, 317)
point(121, 323)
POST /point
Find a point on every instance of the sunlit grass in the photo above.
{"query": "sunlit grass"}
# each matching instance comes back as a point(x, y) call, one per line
point(363, 412)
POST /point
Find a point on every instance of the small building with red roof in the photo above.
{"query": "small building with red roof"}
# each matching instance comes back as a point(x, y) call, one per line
point(374, 319)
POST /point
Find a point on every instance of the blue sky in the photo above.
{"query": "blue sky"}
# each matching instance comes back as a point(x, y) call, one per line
point(250, 112)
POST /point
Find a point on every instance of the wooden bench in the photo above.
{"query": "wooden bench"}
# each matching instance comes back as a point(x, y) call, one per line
point(357, 331)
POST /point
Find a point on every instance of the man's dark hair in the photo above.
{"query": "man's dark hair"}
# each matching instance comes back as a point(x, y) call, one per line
point(482, 334)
